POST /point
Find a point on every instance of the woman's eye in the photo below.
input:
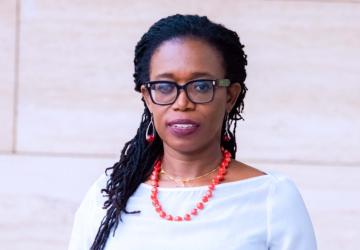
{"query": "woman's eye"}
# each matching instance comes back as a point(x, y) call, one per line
point(202, 87)
point(165, 88)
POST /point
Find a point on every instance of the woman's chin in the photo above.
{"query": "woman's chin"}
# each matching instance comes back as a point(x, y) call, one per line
point(187, 145)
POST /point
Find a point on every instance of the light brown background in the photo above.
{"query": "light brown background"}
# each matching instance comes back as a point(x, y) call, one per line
point(67, 105)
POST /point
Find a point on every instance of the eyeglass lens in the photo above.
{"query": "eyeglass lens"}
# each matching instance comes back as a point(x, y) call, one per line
point(198, 92)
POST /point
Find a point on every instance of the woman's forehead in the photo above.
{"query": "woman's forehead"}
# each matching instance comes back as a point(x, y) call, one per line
point(185, 57)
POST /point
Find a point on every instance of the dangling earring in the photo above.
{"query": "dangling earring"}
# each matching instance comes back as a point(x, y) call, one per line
point(150, 138)
point(226, 135)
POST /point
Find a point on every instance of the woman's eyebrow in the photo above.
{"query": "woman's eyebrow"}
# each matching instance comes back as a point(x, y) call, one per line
point(193, 74)
point(165, 75)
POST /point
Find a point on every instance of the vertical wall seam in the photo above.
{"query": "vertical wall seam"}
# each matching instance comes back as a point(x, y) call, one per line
point(16, 76)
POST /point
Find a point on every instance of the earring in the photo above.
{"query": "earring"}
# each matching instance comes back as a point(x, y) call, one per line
point(150, 138)
point(226, 135)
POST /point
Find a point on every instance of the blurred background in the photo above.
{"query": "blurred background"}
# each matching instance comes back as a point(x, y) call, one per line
point(67, 105)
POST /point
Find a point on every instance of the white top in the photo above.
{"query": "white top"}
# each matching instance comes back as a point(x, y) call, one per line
point(264, 212)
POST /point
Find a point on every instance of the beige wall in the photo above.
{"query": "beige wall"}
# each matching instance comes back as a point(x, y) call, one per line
point(72, 88)
point(7, 72)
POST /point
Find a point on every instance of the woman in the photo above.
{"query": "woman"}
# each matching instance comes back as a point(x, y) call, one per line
point(177, 184)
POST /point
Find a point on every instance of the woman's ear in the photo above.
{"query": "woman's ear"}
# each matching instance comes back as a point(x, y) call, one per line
point(147, 98)
point(233, 92)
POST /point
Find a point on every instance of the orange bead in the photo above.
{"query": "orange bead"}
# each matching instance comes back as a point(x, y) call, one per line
point(205, 199)
point(215, 181)
point(187, 217)
point(194, 211)
point(220, 177)
point(157, 168)
point(154, 178)
point(178, 218)
point(212, 186)
point(200, 205)
point(224, 164)
point(158, 208)
point(208, 193)
point(222, 170)
point(155, 202)
point(153, 196)
point(154, 190)
point(154, 183)
point(169, 217)
point(162, 214)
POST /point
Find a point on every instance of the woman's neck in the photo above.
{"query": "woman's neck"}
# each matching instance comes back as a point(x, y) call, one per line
point(189, 165)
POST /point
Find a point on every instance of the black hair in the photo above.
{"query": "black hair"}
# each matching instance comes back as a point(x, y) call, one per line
point(138, 156)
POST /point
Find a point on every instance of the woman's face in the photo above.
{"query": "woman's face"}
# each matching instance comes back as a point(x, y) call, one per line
point(184, 126)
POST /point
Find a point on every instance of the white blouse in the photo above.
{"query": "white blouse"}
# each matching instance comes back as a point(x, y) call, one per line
point(264, 212)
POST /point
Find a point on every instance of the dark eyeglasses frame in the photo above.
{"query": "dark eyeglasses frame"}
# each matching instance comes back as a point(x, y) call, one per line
point(215, 83)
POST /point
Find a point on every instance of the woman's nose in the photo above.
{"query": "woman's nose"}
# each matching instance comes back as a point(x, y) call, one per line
point(182, 102)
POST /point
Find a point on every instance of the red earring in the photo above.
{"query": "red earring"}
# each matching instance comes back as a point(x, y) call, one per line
point(226, 135)
point(150, 138)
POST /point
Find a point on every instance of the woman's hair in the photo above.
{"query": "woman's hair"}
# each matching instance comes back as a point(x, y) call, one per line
point(138, 156)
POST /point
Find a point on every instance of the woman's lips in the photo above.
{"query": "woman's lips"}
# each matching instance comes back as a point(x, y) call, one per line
point(182, 127)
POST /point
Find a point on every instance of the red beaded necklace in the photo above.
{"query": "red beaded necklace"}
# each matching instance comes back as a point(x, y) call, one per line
point(205, 198)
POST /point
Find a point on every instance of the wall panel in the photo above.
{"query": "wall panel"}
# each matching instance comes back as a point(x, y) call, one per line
point(303, 82)
point(39, 197)
point(7, 70)
point(76, 87)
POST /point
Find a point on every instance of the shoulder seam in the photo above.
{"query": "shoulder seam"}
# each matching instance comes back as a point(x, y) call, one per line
point(278, 177)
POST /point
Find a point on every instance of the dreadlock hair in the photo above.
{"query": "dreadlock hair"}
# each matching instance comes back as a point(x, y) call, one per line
point(138, 156)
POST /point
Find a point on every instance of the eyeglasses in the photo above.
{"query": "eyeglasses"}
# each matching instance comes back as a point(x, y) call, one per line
point(197, 91)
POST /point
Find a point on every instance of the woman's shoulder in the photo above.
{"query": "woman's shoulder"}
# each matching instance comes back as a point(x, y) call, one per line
point(238, 171)
point(102, 180)
point(241, 171)
point(89, 215)
point(280, 185)
point(279, 178)
point(94, 194)
point(284, 206)
point(283, 191)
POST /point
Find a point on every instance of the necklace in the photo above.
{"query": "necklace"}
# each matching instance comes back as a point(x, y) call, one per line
point(208, 194)
point(183, 182)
